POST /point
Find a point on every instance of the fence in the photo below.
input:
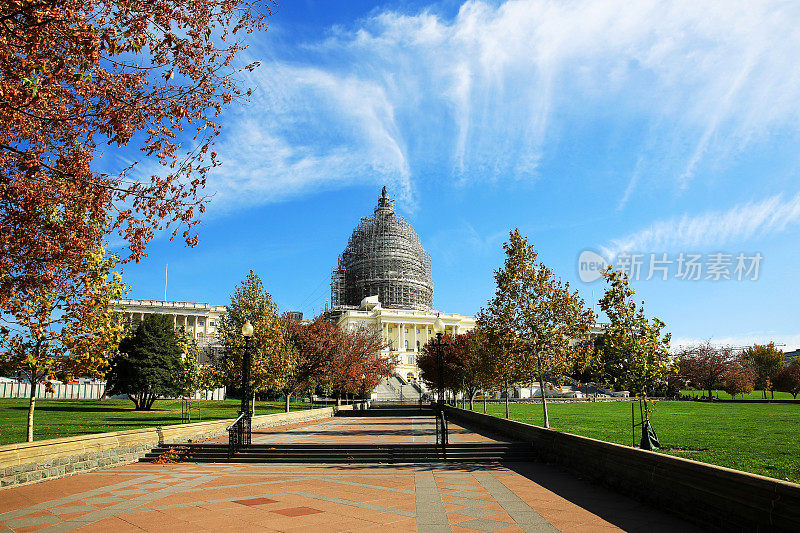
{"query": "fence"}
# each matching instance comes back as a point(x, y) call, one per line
point(81, 391)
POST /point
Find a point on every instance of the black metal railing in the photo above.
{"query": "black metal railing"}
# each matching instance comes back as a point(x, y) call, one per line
point(238, 434)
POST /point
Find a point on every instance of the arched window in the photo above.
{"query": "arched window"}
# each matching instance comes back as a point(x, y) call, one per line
point(410, 376)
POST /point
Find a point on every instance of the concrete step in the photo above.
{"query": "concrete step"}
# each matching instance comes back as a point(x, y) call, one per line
point(348, 453)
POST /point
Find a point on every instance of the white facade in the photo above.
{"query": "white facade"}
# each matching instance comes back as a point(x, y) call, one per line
point(200, 320)
point(405, 331)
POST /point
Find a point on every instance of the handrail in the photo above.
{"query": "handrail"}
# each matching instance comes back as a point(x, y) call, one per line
point(235, 422)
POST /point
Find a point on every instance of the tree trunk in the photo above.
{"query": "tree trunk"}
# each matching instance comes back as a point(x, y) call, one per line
point(507, 395)
point(472, 401)
point(31, 407)
point(484, 402)
point(709, 393)
point(338, 399)
point(288, 395)
point(544, 402)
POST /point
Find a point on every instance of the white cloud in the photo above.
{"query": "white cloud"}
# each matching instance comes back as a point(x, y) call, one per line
point(485, 95)
point(713, 228)
point(784, 341)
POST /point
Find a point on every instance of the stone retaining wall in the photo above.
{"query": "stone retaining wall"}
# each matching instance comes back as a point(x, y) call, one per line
point(28, 462)
point(714, 497)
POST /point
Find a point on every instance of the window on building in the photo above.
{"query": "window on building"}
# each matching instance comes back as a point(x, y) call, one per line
point(410, 376)
point(406, 345)
point(410, 359)
point(390, 330)
point(212, 323)
point(417, 345)
point(406, 330)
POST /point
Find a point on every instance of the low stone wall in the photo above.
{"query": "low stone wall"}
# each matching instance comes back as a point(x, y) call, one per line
point(28, 462)
point(714, 497)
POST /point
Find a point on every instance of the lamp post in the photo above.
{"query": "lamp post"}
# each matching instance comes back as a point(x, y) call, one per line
point(247, 332)
point(239, 432)
point(441, 421)
point(438, 329)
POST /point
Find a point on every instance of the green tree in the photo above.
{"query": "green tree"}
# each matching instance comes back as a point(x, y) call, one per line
point(535, 316)
point(150, 360)
point(766, 360)
point(272, 356)
point(635, 354)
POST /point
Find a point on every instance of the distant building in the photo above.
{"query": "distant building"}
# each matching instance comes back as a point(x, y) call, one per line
point(383, 281)
point(199, 320)
point(788, 357)
point(404, 331)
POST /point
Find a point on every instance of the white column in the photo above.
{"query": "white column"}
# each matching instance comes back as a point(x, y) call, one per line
point(415, 337)
point(401, 340)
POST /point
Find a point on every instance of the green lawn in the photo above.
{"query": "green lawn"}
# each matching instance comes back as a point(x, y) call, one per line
point(753, 395)
point(759, 438)
point(66, 418)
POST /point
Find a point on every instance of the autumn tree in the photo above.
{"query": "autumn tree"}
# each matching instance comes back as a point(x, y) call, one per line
point(272, 357)
point(81, 75)
point(428, 363)
point(635, 353)
point(767, 360)
point(739, 377)
point(93, 337)
point(33, 349)
point(150, 363)
point(315, 348)
point(706, 366)
point(535, 315)
point(788, 379)
point(357, 365)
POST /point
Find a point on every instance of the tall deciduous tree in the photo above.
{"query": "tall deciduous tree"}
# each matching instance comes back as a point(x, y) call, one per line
point(788, 379)
point(767, 360)
point(315, 347)
point(273, 359)
point(150, 363)
point(706, 366)
point(80, 74)
point(739, 377)
point(357, 365)
point(64, 332)
point(635, 354)
point(536, 314)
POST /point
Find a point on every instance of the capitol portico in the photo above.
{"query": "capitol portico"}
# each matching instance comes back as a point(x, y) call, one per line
point(404, 331)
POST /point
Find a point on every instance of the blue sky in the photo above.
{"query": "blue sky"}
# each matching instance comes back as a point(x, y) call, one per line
point(651, 127)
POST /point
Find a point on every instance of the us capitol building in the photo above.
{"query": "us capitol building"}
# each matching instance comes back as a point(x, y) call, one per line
point(382, 280)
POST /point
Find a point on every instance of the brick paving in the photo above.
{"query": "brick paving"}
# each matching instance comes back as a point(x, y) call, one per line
point(322, 498)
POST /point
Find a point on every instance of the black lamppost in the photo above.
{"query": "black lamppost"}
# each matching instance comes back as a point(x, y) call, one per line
point(246, 408)
point(438, 328)
point(441, 420)
point(239, 432)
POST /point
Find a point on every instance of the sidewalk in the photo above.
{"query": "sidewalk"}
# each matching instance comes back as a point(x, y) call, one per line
point(328, 498)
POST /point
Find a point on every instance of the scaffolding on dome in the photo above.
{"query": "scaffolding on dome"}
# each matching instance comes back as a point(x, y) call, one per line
point(383, 257)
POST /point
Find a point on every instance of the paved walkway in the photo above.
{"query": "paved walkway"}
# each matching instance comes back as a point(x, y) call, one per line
point(363, 430)
point(323, 498)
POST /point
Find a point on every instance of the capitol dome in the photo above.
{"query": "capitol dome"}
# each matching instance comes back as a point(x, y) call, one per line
point(384, 258)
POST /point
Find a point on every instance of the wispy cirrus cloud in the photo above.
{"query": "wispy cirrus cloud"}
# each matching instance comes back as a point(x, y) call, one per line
point(487, 94)
point(713, 228)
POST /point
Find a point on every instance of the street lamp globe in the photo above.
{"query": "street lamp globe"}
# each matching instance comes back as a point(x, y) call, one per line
point(438, 326)
point(247, 329)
